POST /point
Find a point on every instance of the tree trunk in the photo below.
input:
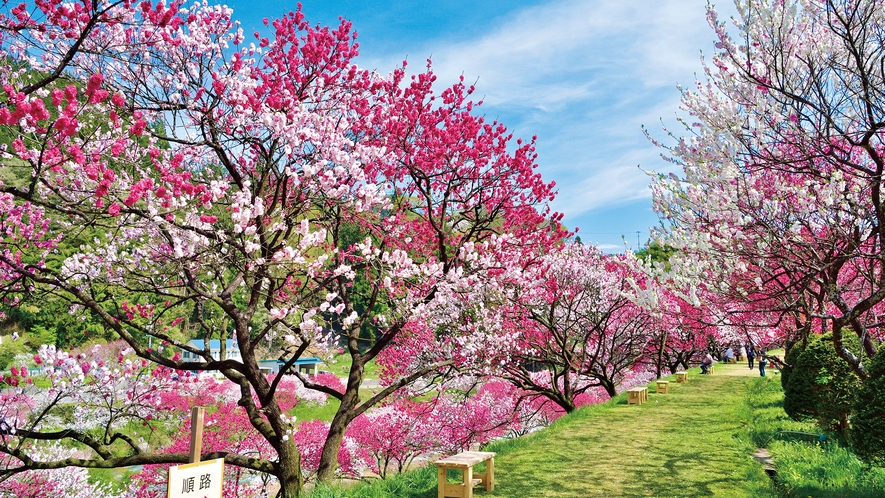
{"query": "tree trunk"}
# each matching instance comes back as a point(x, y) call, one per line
point(609, 387)
point(289, 473)
point(683, 360)
point(343, 417)
point(659, 364)
point(566, 404)
point(332, 445)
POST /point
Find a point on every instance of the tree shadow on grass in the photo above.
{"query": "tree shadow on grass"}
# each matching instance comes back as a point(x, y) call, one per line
point(681, 473)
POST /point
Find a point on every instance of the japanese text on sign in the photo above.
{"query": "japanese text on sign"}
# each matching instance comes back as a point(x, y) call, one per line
point(196, 480)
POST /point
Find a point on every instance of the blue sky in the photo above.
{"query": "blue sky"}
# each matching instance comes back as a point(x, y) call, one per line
point(582, 75)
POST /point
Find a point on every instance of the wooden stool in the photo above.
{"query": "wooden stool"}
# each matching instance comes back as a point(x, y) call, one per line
point(636, 395)
point(465, 461)
point(681, 376)
point(663, 387)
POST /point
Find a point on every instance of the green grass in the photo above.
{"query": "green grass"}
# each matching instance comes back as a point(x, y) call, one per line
point(116, 479)
point(340, 366)
point(695, 441)
point(688, 443)
point(305, 411)
point(805, 465)
point(42, 382)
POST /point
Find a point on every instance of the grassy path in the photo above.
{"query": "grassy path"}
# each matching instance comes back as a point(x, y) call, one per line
point(691, 442)
point(686, 443)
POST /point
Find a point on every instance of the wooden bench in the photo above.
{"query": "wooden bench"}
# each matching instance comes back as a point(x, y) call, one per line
point(636, 395)
point(663, 387)
point(681, 376)
point(464, 462)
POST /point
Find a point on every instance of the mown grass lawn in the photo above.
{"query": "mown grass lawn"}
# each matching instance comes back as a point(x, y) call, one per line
point(691, 442)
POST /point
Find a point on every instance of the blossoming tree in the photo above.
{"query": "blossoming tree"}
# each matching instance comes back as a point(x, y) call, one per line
point(571, 323)
point(780, 206)
point(224, 189)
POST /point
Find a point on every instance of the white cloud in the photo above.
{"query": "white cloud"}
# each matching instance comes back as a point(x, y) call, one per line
point(583, 75)
point(547, 49)
point(603, 189)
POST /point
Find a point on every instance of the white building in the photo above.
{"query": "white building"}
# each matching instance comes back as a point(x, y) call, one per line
point(231, 350)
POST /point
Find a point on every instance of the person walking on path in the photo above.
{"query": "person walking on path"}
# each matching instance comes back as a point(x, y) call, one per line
point(751, 354)
point(762, 363)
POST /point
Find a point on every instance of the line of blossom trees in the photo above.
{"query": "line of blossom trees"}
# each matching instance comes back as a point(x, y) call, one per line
point(780, 201)
point(778, 217)
point(169, 180)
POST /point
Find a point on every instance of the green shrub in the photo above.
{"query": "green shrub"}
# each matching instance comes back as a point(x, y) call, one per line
point(822, 386)
point(866, 434)
point(790, 359)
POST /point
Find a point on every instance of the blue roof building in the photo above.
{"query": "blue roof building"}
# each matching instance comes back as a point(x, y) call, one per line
point(232, 350)
point(307, 366)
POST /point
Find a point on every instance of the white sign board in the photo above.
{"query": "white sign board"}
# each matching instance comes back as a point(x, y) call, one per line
point(196, 480)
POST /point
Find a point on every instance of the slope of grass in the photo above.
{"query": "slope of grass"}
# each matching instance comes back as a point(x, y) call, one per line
point(339, 365)
point(691, 442)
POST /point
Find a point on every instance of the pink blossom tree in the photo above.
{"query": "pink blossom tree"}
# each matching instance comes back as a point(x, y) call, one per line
point(393, 434)
point(683, 331)
point(561, 326)
point(91, 403)
point(245, 191)
point(454, 185)
point(227, 430)
point(465, 413)
point(69, 481)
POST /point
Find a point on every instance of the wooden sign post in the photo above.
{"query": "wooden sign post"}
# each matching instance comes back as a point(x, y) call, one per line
point(196, 479)
point(197, 414)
